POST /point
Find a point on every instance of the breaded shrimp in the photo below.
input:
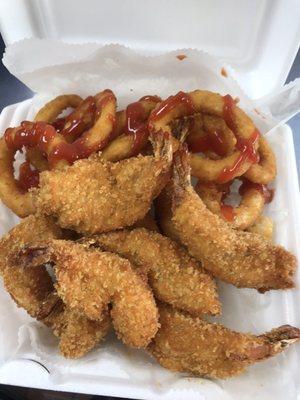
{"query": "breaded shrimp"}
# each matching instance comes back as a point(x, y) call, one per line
point(175, 277)
point(31, 287)
point(78, 334)
point(242, 258)
point(195, 346)
point(88, 281)
point(96, 196)
point(27, 286)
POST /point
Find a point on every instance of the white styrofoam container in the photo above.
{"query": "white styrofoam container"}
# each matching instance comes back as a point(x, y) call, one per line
point(259, 38)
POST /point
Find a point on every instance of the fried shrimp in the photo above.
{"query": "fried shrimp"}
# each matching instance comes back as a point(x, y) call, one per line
point(88, 281)
point(195, 346)
point(27, 286)
point(77, 333)
point(242, 258)
point(95, 196)
point(175, 277)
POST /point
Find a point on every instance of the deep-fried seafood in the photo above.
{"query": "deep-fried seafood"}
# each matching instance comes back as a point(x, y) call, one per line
point(78, 334)
point(193, 345)
point(93, 196)
point(175, 277)
point(89, 281)
point(184, 104)
point(241, 258)
point(27, 286)
point(147, 222)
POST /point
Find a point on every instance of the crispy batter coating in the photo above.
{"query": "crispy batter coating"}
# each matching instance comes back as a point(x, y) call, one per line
point(88, 281)
point(28, 286)
point(195, 346)
point(96, 196)
point(242, 258)
point(175, 277)
point(147, 222)
point(78, 334)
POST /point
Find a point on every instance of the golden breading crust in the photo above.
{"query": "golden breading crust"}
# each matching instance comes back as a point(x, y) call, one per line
point(195, 346)
point(95, 196)
point(175, 277)
point(89, 281)
point(242, 258)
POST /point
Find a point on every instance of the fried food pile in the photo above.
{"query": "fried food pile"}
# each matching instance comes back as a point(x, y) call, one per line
point(109, 210)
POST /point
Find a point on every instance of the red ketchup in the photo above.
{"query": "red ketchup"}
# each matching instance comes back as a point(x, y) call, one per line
point(136, 125)
point(212, 141)
point(29, 134)
point(81, 119)
point(227, 212)
point(267, 193)
point(245, 146)
point(173, 101)
point(28, 178)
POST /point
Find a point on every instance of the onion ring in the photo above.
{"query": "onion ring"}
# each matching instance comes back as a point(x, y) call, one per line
point(263, 226)
point(184, 104)
point(132, 122)
point(210, 135)
point(59, 152)
point(11, 195)
point(240, 217)
point(264, 171)
point(51, 110)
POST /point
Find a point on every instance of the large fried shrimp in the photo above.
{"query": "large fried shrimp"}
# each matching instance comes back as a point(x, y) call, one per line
point(96, 196)
point(88, 281)
point(193, 345)
point(241, 258)
point(175, 277)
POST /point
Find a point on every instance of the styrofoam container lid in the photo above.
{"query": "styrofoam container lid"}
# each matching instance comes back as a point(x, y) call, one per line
point(259, 38)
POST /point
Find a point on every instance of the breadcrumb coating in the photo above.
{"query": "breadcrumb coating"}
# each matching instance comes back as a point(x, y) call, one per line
point(94, 196)
point(192, 345)
point(242, 258)
point(175, 277)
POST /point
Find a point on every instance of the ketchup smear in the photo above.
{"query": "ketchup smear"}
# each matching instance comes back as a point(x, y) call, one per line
point(170, 103)
point(267, 193)
point(212, 141)
point(227, 212)
point(136, 125)
point(28, 178)
point(245, 146)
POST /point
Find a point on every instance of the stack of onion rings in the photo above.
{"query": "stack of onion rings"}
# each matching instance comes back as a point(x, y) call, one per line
point(224, 145)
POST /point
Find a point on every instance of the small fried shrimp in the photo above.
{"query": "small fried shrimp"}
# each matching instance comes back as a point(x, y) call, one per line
point(27, 286)
point(242, 258)
point(175, 277)
point(77, 333)
point(88, 281)
point(192, 345)
point(94, 196)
